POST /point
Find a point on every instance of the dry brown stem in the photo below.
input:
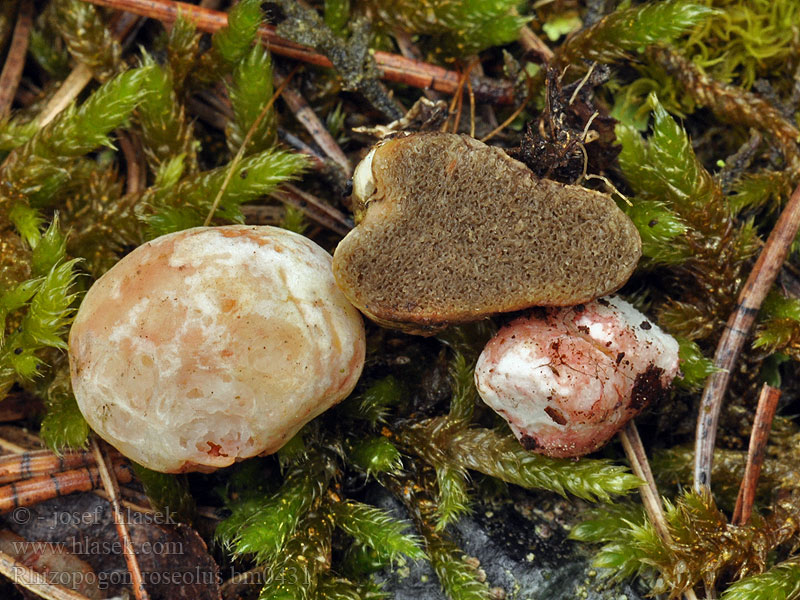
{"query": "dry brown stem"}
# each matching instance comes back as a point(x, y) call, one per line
point(312, 123)
point(755, 289)
point(111, 486)
point(393, 67)
point(731, 103)
point(634, 450)
point(765, 413)
point(15, 59)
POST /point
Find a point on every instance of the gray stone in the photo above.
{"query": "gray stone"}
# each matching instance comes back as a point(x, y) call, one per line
point(520, 543)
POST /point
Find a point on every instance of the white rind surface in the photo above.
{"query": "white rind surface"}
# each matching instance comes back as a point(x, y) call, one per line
point(568, 379)
point(212, 345)
point(363, 181)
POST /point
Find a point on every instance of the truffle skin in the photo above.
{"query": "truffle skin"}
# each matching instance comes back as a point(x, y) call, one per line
point(567, 380)
point(451, 230)
point(211, 345)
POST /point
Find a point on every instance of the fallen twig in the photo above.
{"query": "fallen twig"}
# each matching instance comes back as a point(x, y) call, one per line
point(111, 485)
point(309, 119)
point(755, 289)
point(34, 581)
point(634, 450)
point(409, 50)
point(393, 67)
point(765, 413)
point(321, 212)
point(15, 59)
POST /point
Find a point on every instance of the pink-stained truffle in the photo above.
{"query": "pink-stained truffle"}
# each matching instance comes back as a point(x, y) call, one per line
point(568, 379)
point(212, 345)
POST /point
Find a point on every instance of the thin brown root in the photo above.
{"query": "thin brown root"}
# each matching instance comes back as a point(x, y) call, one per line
point(581, 84)
point(505, 123)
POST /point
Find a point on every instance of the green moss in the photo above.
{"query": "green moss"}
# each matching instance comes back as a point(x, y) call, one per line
point(458, 28)
point(632, 29)
point(72, 203)
point(63, 426)
point(744, 39)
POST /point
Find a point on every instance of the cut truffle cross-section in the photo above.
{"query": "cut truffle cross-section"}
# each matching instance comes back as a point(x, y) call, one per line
point(452, 230)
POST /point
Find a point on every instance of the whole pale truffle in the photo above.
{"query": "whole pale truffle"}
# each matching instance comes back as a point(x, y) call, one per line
point(212, 345)
point(567, 380)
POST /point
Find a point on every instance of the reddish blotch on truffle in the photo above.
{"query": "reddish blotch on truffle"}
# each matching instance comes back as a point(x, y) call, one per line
point(567, 380)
